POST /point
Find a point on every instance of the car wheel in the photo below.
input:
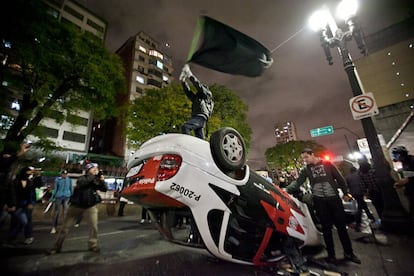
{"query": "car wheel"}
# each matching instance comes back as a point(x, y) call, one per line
point(228, 149)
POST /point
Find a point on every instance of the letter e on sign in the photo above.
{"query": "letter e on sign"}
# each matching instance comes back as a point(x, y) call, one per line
point(363, 106)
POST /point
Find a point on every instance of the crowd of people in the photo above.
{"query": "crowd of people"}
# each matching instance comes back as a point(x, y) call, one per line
point(79, 201)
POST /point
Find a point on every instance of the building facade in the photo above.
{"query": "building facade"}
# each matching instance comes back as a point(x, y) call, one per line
point(72, 135)
point(387, 72)
point(146, 67)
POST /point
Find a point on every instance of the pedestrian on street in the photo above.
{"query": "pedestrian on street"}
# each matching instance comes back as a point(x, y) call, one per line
point(7, 158)
point(83, 203)
point(61, 194)
point(400, 154)
point(144, 215)
point(374, 191)
point(325, 179)
point(24, 200)
point(202, 103)
point(358, 190)
point(122, 203)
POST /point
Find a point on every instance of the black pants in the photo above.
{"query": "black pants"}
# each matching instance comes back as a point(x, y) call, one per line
point(331, 212)
point(362, 205)
point(378, 202)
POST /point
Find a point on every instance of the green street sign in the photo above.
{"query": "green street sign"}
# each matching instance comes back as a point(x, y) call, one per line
point(321, 131)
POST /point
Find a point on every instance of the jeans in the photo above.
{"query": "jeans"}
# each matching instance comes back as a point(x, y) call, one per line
point(21, 219)
point(197, 124)
point(61, 201)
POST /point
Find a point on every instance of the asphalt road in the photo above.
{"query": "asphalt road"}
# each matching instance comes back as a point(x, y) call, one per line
point(131, 248)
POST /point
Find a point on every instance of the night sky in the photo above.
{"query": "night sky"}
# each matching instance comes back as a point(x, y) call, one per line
point(300, 86)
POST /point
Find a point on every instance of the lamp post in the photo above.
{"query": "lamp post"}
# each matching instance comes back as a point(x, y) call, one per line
point(394, 217)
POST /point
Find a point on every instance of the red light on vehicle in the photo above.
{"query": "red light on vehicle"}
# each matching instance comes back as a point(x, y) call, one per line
point(169, 166)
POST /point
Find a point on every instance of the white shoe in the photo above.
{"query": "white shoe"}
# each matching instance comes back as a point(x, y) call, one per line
point(29, 240)
point(142, 221)
point(76, 225)
point(53, 231)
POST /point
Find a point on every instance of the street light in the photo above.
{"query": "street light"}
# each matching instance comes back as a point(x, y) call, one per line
point(394, 216)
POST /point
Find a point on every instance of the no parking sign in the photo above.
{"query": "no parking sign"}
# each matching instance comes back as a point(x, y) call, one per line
point(363, 106)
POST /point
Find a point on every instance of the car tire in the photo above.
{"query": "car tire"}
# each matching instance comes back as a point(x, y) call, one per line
point(228, 149)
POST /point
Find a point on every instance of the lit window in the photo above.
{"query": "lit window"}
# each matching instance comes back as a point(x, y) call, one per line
point(398, 73)
point(156, 54)
point(140, 79)
point(142, 49)
point(164, 78)
point(407, 95)
point(389, 53)
point(160, 65)
point(402, 84)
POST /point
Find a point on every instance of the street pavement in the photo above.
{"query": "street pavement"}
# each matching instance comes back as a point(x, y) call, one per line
point(131, 248)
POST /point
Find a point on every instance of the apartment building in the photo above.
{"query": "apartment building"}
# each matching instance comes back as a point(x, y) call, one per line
point(146, 66)
point(285, 132)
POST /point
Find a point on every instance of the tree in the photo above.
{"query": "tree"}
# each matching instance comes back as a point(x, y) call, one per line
point(165, 110)
point(287, 156)
point(53, 66)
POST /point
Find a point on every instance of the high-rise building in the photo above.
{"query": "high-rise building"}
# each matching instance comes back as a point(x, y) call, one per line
point(146, 66)
point(285, 132)
point(387, 72)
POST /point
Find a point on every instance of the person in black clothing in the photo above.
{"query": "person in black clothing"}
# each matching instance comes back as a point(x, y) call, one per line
point(400, 154)
point(325, 179)
point(367, 174)
point(24, 200)
point(83, 203)
point(202, 103)
point(357, 189)
point(7, 158)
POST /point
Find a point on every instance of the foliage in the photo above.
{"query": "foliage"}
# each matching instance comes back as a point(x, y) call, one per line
point(287, 156)
point(164, 110)
point(53, 66)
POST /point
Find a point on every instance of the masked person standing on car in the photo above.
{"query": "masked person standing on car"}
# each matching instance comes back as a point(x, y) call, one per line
point(202, 103)
point(325, 179)
point(400, 154)
point(83, 204)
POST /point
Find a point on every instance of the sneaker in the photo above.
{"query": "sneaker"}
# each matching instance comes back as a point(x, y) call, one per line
point(142, 221)
point(76, 225)
point(94, 249)
point(28, 241)
point(54, 251)
point(352, 258)
point(53, 231)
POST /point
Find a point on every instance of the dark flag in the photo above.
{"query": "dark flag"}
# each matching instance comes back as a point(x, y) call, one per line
point(227, 50)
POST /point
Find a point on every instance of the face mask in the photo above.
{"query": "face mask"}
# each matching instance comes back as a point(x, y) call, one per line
point(395, 157)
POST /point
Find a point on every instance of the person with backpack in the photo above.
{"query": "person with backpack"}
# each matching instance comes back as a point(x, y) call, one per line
point(325, 179)
point(202, 103)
